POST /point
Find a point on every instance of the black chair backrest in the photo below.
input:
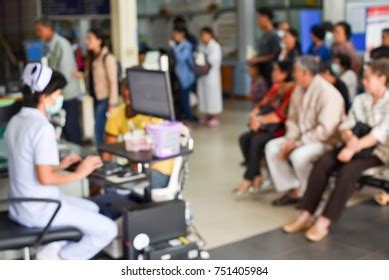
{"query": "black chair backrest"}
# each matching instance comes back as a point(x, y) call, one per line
point(6, 113)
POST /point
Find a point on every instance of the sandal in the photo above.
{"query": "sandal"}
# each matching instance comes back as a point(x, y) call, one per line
point(285, 200)
point(382, 198)
point(296, 226)
point(315, 234)
point(240, 194)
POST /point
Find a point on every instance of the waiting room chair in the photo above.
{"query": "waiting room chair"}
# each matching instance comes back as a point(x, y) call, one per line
point(377, 177)
point(14, 236)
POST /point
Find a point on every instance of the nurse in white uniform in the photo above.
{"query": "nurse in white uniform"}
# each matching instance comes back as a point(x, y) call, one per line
point(35, 170)
point(209, 87)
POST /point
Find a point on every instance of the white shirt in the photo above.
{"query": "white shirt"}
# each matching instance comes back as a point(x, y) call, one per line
point(374, 115)
point(351, 80)
point(30, 141)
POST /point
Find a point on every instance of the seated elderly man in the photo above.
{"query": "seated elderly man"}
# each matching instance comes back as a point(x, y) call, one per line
point(315, 112)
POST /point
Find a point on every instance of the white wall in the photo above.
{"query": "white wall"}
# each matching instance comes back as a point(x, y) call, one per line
point(336, 10)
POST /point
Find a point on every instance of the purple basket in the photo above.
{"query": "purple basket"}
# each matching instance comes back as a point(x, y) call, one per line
point(165, 137)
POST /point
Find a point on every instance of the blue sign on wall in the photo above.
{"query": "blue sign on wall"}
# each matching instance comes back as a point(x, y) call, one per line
point(308, 18)
point(34, 51)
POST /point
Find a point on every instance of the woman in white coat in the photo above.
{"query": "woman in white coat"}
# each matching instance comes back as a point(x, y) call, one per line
point(209, 86)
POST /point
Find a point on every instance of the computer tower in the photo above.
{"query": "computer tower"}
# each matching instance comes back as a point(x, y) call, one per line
point(161, 222)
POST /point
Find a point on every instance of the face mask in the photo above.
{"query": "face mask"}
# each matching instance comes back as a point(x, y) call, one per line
point(329, 39)
point(335, 68)
point(281, 33)
point(54, 109)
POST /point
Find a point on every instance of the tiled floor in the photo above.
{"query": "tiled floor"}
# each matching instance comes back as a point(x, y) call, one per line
point(362, 233)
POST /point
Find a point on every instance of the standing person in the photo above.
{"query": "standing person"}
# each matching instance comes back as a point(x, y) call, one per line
point(281, 27)
point(291, 47)
point(319, 47)
point(61, 58)
point(269, 44)
point(209, 88)
point(266, 122)
point(342, 36)
point(360, 151)
point(183, 54)
point(180, 22)
point(341, 66)
point(383, 50)
point(36, 171)
point(102, 74)
point(315, 111)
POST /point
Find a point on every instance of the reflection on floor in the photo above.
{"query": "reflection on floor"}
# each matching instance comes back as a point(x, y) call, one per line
point(362, 233)
point(214, 172)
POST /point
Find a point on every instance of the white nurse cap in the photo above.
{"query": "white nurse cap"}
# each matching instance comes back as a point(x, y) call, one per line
point(36, 76)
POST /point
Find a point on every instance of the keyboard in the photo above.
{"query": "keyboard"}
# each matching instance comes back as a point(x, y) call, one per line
point(108, 169)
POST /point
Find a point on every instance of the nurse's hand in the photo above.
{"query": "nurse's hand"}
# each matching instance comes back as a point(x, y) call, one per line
point(69, 160)
point(88, 165)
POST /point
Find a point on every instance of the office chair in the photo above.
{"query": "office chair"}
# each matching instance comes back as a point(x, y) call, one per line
point(14, 236)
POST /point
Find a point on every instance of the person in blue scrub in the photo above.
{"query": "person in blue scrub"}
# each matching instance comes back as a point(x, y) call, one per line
point(319, 48)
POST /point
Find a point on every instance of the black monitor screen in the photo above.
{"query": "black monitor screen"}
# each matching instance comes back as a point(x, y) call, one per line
point(151, 93)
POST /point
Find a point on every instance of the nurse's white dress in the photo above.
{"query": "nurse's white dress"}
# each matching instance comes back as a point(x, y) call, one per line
point(30, 141)
point(209, 87)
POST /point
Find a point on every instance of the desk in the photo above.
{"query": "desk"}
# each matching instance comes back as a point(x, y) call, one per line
point(142, 157)
point(18, 96)
point(145, 158)
point(104, 182)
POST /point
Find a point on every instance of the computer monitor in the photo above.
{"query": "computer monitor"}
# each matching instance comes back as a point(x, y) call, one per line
point(151, 93)
point(34, 50)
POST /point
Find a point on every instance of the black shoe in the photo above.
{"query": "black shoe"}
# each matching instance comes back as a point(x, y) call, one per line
point(243, 163)
point(285, 200)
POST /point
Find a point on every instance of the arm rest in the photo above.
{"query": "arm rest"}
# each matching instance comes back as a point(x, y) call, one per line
point(37, 200)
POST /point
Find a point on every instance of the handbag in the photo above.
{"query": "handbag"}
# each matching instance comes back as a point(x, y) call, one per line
point(201, 66)
point(271, 127)
point(360, 130)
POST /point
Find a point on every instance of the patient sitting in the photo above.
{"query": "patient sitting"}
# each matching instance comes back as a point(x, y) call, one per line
point(266, 122)
point(365, 134)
